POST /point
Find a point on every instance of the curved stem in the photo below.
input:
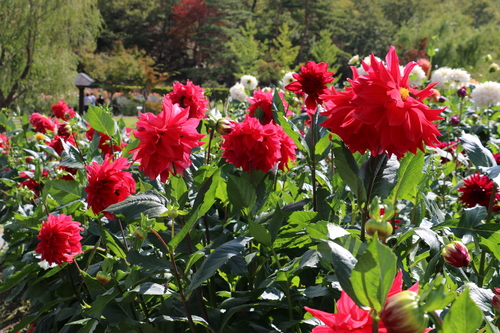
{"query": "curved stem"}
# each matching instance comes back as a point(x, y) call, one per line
point(436, 320)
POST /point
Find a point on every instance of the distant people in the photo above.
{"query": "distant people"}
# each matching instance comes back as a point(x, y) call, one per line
point(92, 99)
point(100, 101)
point(86, 102)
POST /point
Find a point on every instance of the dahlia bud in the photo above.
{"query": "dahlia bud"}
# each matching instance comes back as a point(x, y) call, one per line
point(401, 314)
point(462, 92)
point(495, 301)
point(173, 213)
point(140, 233)
point(224, 126)
point(64, 130)
point(102, 277)
point(454, 121)
point(456, 254)
point(442, 99)
point(29, 159)
point(383, 228)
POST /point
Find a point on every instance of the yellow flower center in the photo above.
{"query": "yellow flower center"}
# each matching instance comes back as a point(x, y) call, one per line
point(404, 93)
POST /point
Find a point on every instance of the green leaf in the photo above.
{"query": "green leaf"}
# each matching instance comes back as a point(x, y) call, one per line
point(64, 191)
point(321, 149)
point(216, 259)
point(292, 131)
point(101, 121)
point(380, 171)
point(113, 243)
point(260, 234)
point(478, 154)
point(373, 275)
point(202, 203)
point(16, 278)
point(241, 193)
point(409, 175)
point(464, 315)
point(101, 302)
point(348, 169)
point(149, 203)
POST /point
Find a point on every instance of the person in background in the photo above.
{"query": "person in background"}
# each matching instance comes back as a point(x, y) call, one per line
point(100, 101)
point(86, 102)
point(92, 99)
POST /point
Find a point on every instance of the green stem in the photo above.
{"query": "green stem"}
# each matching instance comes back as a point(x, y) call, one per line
point(313, 160)
point(482, 261)
point(374, 326)
point(209, 145)
point(436, 320)
point(123, 235)
point(287, 293)
point(179, 283)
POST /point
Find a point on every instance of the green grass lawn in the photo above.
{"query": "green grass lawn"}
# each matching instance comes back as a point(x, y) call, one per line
point(129, 121)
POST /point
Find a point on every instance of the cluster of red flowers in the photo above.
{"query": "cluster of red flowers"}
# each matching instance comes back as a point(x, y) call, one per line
point(4, 144)
point(108, 184)
point(253, 146)
point(380, 112)
point(166, 141)
point(189, 96)
point(264, 101)
point(59, 239)
point(477, 190)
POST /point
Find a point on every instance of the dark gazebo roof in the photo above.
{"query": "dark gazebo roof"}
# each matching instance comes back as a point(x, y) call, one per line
point(83, 80)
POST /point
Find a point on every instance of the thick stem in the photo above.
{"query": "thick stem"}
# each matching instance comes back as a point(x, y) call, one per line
point(482, 261)
point(436, 320)
point(313, 160)
point(123, 235)
point(374, 326)
point(209, 145)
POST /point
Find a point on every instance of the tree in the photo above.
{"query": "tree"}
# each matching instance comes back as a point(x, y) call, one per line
point(37, 45)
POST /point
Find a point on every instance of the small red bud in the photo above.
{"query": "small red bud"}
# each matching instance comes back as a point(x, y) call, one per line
point(402, 314)
point(456, 254)
point(102, 277)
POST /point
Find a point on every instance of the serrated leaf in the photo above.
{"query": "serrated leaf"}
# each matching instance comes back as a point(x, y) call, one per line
point(409, 175)
point(373, 275)
point(64, 191)
point(260, 234)
point(101, 121)
point(464, 315)
point(149, 203)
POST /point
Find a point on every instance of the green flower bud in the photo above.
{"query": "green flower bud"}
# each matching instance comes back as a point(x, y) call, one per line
point(140, 233)
point(102, 277)
point(383, 229)
point(401, 314)
point(224, 126)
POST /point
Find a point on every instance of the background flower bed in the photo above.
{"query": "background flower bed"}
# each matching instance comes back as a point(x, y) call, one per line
point(220, 249)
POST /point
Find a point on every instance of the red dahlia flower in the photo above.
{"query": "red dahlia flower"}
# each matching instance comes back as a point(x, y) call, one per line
point(264, 101)
point(381, 112)
point(57, 145)
point(312, 81)
point(253, 146)
point(192, 96)
point(477, 190)
point(166, 141)
point(41, 123)
point(62, 111)
point(59, 239)
point(350, 318)
point(108, 184)
point(4, 144)
point(497, 158)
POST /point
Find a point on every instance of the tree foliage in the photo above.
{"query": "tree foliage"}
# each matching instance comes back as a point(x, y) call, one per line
point(37, 44)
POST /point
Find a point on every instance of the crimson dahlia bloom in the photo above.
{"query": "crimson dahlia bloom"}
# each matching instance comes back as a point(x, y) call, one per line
point(108, 184)
point(381, 112)
point(62, 111)
point(41, 123)
point(312, 81)
point(59, 239)
point(477, 190)
point(192, 96)
point(4, 144)
point(166, 141)
point(264, 101)
point(253, 146)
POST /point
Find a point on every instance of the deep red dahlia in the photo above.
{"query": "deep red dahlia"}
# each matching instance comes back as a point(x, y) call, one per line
point(4, 144)
point(253, 146)
point(264, 101)
point(62, 111)
point(312, 81)
point(381, 112)
point(108, 184)
point(59, 239)
point(477, 190)
point(192, 96)
point(41, 123)
point(166, 141)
